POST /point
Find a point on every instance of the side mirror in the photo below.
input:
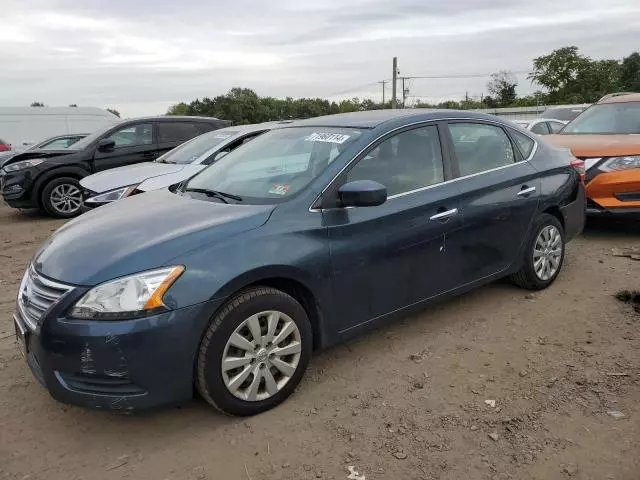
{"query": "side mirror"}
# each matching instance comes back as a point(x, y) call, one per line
point(220, 155)
point(362, 193)
point(106, 144)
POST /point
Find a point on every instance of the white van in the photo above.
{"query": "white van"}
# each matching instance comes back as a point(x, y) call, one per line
point(22, 127)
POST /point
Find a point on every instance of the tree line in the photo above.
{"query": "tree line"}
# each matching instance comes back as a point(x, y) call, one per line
point(565, 76)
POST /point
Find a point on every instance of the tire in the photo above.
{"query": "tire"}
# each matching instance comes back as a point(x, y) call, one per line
point(527, 277)
point(240, 398)
point(62, 197)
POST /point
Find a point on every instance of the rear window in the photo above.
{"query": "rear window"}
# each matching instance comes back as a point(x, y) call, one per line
point(177, 131)
point(524, 143)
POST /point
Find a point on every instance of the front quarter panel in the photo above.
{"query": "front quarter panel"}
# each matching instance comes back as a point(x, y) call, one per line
point(291, 245)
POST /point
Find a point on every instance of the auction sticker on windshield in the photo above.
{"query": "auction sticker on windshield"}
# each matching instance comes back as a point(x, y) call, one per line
point(279, 189)
point(328, 137)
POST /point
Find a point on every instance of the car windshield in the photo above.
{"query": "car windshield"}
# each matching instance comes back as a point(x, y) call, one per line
point(57, 143)
point(190, 151)
point(607, 118)
point(276, 165)
point(86, 141)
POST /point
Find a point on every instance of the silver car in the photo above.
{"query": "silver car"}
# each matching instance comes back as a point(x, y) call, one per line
point(173, 167)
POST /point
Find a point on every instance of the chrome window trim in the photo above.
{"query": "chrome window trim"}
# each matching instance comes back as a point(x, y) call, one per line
point(462, 119)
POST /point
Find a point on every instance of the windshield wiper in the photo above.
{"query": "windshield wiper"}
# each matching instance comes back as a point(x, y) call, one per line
point(215, 194)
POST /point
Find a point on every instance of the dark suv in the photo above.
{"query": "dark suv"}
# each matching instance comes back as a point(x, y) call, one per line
point(48, 179)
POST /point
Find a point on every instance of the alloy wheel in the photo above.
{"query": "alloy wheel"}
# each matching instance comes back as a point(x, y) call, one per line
point(547, 252)
point(261, 356)
point(66, 198)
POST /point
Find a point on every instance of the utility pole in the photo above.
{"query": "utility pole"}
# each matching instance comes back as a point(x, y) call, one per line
point(404, 93)
point(383, 82)
point(394, 101)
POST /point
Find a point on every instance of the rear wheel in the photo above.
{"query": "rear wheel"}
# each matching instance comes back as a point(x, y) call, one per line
point(254, 352)
point(62, 197)
point(543, 255)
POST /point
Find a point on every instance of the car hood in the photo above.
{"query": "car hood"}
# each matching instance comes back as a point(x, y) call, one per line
point(171, 178)
point(26, 155)
point(597, 145)
point(140, 233)
point(127, 175)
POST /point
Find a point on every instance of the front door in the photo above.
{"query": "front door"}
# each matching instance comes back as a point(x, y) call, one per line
point(387, 257)
point(134, 143)
point(499, 194)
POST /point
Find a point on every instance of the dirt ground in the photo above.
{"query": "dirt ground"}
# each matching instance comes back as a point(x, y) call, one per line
point(409, 401)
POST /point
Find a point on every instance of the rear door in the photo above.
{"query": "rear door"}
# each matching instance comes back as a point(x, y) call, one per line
point(134, 143)
point(173, 133)
point(387, 257)
point(499, 193)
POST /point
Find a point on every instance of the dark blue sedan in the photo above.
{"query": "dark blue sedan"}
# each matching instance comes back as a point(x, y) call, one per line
point(306, 236)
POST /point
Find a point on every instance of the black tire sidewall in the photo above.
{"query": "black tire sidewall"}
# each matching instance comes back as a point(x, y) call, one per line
point(543, 221)
point(46, 196)
point(215, 386)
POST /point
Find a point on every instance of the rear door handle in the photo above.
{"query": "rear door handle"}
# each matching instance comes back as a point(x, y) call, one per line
point(444, 215)
point(525, 192)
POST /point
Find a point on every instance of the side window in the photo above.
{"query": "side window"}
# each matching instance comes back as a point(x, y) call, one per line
point(555, 127)
point(540, 128)
point(480, 147)
point(407, 161)
point(133, 135)
point(176, 131)
point(205, 127)
point(524, 143)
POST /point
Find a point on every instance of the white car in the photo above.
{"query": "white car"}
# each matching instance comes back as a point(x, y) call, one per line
point(173, 167)
point(542, 126)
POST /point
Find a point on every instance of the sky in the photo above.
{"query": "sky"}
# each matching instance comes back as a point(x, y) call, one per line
point(141, 56)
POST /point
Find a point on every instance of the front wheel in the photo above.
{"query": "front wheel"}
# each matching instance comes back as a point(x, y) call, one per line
point(62, 197)
point(254, 353)
point(543, 255)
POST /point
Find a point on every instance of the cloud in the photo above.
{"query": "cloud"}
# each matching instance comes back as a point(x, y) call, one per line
point(142, 56)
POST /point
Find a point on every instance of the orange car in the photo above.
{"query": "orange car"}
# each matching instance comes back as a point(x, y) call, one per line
point(607, 137)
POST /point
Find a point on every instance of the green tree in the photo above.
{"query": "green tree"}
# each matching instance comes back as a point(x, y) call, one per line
point(74, 105)
point(114, 111)
point(630, 73)
point(178, 109)
point(502, 85)
point(37, 104)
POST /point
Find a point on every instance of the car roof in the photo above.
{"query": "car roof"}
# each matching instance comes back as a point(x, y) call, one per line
point(622, 97)
point(374, 118)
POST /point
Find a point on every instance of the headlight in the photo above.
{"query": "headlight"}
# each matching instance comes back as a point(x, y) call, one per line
point(112, 195)
point(127, 297)
point(620, 163)
point(14, 167)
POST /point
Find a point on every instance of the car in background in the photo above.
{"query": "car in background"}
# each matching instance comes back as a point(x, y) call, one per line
point(542, 126)
point(50, 179)
point(4, 146)
point(303, 238)
point(564, 113)
point(173, 167)
point(607, 137)
point(52, 143)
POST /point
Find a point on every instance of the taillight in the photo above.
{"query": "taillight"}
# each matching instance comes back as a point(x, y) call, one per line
point(4, 147)
point(578, 165)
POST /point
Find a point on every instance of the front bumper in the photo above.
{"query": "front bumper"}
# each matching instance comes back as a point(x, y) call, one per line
point(116, 365)
point(16, 189)
point(614, 193)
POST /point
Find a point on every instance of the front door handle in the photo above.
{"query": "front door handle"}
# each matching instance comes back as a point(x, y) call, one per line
point(525, 192)
point(444, 215)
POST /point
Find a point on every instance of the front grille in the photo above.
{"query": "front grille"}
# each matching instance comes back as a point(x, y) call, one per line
point(37, 295)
